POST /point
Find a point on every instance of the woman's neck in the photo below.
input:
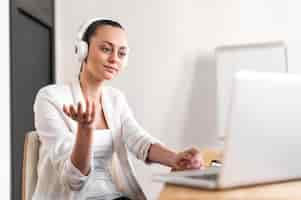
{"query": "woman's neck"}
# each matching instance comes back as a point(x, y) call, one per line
point(91, 88)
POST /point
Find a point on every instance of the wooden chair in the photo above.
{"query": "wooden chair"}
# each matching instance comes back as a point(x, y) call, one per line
point(30, 161)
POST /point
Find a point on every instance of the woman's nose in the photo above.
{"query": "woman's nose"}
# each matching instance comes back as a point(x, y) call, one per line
point(113, 58)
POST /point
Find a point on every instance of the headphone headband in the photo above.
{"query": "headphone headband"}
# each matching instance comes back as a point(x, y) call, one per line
point(83, 28)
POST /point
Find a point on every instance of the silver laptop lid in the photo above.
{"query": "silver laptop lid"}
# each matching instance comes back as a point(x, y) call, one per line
point(263, 142)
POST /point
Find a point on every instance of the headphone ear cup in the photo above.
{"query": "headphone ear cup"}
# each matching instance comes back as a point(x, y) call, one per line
point(81, 50)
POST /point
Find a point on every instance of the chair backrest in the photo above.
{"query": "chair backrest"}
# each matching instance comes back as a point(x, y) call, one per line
point(30, 161)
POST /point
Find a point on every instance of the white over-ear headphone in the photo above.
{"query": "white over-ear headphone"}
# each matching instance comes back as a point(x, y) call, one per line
point(81, 46)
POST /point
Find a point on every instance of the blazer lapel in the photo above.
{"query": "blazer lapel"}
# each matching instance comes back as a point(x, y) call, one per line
point(107, 109)
point(77, 92)
point(77, 96)
point(112, 119)
point(109, 113)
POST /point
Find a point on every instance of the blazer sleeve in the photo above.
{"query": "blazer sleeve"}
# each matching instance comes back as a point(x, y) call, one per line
point(56, 141)
point(137, 140)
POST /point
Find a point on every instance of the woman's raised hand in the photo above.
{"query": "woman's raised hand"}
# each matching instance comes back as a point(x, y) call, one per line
point(85, 119)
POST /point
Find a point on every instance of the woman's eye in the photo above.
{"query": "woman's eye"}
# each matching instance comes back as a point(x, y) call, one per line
point(105, 49)
point(122, 54)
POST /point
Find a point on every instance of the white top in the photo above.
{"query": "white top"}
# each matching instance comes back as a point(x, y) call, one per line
point(100, 185)
point(57, 177)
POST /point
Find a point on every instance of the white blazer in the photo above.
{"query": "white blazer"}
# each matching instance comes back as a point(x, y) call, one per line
point(57, 176)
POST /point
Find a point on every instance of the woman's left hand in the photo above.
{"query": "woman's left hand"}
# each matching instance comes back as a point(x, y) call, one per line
point(188, 159)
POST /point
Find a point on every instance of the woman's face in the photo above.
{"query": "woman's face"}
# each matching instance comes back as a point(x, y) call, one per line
point(107, 52)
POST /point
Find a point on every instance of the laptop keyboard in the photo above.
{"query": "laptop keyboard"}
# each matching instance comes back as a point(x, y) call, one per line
point(205, 176)
point(196, 172)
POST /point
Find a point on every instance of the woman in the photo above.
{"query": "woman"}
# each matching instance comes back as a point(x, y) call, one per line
point(86, 129)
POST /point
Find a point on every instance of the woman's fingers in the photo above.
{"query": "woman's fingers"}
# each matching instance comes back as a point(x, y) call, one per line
point(192, 154)
point(182, 163)
point(196, 161)
point(93, 111)
point(187, 155)
point(79, 108)
point(73, 112)
point(88, 106)
point(88, 110)
point(193, 151)
point(80, 116)
point(78, 113)
point(191, 159)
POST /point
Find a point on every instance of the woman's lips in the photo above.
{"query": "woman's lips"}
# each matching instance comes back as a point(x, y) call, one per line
point(111, 69)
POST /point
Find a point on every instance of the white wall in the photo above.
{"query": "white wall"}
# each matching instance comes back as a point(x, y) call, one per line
point(4, 102)
point(294, 31)
point(170, 81)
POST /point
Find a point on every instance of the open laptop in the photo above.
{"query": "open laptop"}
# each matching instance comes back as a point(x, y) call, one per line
point(263, 135)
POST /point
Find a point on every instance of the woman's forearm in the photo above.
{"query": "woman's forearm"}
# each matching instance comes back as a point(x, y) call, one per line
point(160, 154)
point(81, 153)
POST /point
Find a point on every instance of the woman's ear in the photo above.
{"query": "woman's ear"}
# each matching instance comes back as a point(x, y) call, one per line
point(87, 54)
